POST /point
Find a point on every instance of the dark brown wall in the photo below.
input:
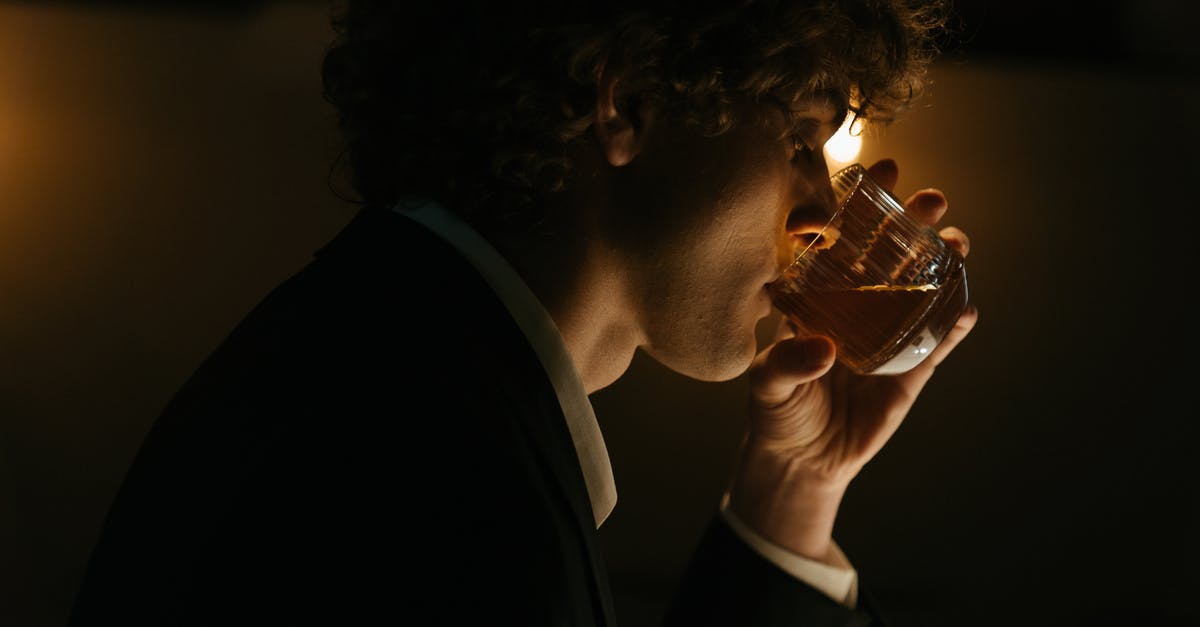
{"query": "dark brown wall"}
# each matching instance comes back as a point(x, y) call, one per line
point(161, 171)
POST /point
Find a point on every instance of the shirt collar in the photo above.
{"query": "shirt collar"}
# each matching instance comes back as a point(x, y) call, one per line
point(539, 328)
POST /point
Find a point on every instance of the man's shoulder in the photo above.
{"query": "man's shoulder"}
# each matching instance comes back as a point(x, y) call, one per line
point(380, 269)
point(375, 230)
point(385, 297)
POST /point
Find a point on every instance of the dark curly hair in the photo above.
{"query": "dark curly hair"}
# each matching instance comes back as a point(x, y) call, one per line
point(473, 103)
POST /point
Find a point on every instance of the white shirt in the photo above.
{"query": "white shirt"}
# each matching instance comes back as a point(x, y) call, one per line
point(839, 583)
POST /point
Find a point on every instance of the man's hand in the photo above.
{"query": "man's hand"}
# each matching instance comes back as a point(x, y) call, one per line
point(814, 424)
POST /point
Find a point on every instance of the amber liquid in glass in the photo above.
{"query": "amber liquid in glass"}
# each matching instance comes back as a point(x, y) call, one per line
point(879, 329)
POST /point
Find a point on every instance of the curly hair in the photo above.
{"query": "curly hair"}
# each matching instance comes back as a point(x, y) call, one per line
point(474, 103)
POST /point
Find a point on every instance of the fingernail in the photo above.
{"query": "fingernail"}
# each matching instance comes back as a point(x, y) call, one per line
point(931, 199)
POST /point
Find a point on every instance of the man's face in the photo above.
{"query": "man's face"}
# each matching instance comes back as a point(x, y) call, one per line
point(706, 222)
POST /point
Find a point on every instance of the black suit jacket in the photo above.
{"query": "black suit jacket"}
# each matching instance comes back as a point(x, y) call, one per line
point(377, 441)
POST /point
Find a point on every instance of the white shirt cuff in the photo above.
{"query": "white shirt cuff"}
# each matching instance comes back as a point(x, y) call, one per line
point(839, 583)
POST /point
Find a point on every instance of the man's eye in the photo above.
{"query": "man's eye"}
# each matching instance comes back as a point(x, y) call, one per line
point(801, 148)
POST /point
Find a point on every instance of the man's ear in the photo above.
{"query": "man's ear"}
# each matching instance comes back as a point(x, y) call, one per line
point(621, 122)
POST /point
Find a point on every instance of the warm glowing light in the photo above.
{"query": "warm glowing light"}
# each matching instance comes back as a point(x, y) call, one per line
point(843, 147)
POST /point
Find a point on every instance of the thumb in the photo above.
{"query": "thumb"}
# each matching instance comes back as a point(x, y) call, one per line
point(788, 364)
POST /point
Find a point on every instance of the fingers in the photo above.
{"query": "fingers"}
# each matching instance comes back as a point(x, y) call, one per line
point(927, 206)
point(957, 239)
point(920, 375)
point(885, 172)
point(788, 364)
point(965, 323)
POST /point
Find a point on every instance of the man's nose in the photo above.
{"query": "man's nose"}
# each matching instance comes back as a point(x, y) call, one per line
point(807, 220)
point(812, 227)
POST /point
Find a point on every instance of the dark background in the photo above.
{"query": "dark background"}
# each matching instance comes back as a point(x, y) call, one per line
point(162, 166)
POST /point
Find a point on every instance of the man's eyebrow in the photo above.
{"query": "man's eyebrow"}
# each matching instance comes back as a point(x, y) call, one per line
point(823, 99)
point(812, 113)
point(807, 114)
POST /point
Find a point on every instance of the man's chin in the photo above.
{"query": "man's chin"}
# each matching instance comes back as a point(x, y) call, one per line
point(727, 369)
point(728, 360)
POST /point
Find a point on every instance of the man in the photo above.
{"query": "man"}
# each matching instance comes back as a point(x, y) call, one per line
point(401, 432)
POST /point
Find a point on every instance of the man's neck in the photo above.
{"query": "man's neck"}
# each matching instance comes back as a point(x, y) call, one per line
point(586, 297)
